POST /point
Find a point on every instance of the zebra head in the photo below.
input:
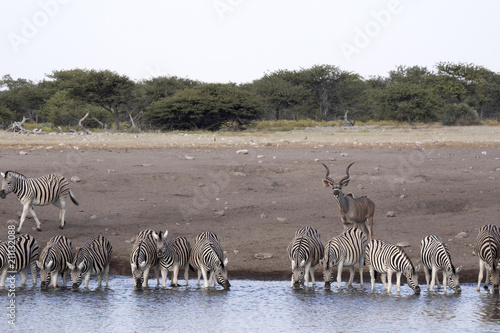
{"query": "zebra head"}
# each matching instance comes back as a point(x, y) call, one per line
point(76, 272)
point(161, 243)
point(452, 278)
point(45, 270)
point(6, 184)
point(298, 273)
point(221, 275)
point(412, 278)
point(328, 274)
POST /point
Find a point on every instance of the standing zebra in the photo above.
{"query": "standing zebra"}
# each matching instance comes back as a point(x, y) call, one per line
point(305, 251)
point(436, 257)
point(173, 255)
point(207, 256)
point(92, 259)
point(487, 249)
point(143, 258)
point(347, 249)
point(41, 191)
point(17, 261)
point(386, 258)
point(53, 260)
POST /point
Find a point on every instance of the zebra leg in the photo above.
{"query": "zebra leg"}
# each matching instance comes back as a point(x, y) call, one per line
point(204, 273)
point(27, 207)
point(33, 272)
point(199, 275)
point(339, 274)
point(186, 273)
point(389, 281)
point(434, 277)
point(361, 263)
point(24, 276)
point(487, 279)
point(106, 274)
point(427, 276)
point(383, 278)
point(311, 272)
point(351, 275)
point(145, 277)
point(175, 272)
point(445, 280)
point(53, 279)
point(480, 277)
point(3, 278)
point(61, 204)
point(164, 273)
point(372, 276)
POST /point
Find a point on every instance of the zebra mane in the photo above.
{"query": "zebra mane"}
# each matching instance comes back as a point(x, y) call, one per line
point(14, 174)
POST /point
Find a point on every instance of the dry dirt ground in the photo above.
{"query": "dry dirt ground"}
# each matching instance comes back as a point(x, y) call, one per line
point(442, 181)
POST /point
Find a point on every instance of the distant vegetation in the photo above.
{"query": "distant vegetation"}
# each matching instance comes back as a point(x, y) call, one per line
point(323, 95)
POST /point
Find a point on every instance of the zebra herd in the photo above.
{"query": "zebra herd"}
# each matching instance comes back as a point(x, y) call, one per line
point(151, 250)
point(351, 247)
point(56, 258)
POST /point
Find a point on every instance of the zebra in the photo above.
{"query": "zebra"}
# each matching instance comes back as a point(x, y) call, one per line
point(49, 189)
point(207, 256)
point(304, 251)
point(92, 259)
point(16, 256)
point(144, 257)
point(173, 255)
point(345, 250)
point(487, 249)
point(436, 257)
point(386, 258)
point(53, 260)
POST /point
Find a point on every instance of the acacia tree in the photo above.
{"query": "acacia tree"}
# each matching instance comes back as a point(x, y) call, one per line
point(205, 106)
point(106, 89)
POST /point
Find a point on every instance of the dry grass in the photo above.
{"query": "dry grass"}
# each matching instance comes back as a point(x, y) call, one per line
point(358, 137)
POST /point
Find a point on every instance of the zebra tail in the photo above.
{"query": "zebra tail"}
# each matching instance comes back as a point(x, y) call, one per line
point(73, 198)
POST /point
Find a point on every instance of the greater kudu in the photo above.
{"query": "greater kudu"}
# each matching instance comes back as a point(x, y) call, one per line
point(358, 211)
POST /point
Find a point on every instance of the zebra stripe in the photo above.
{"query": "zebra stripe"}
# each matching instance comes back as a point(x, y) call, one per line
point(53, 260)
point(487, 249)
point(17, 256)
point(345, 250)
point(207, 256)
point(436, 257)
point(92, 259)
point(386, 259)
point(304, 251)
point(143, 258)
point(41, 191)
point(173, 255)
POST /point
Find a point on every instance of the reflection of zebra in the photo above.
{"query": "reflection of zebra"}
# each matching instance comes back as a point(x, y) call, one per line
point(53, 260)
point(305, 251)
point(207, 256)
point(143, 258)
point(45, 190)
point(386, 258)
point(436, 257)
point(173, 255)
point(487, 249)
point(19, 258)
point(92, 259)
point(345, 250)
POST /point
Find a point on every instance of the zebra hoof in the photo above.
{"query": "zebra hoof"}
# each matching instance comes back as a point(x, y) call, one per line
point(38, 229)
point(61, 227)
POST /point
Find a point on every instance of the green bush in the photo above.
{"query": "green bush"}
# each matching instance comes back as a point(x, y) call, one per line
point(459, 114)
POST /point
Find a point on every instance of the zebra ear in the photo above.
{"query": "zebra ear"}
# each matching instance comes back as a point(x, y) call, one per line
point(3, 174)
point(165, 234)
point(49, 265)
point(80, 266)
point(322, 262)
point(293, 264)
point(302, 263)
point(70, 265)
point(225, 262)
point(142, 264)
point(458, 269)
point(39, 264)
point(156, 236)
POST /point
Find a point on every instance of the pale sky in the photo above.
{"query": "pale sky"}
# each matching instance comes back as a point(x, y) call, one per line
point(240, 40)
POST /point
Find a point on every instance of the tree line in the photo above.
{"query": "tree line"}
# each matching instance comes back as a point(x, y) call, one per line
point(451, 93)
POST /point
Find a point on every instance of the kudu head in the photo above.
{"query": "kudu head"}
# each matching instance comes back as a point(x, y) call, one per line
point(337, 187)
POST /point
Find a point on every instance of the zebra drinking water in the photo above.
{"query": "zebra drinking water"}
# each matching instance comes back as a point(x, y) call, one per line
point(304, 251)
point(16, 256)
point(207, 256)
point(41, 191)
point(487, 248)
point(92, 259)
point(173, 255)
point(436, 257)
point(345, 250)
point(144, 257)
point(386, 259)
point(53, 260)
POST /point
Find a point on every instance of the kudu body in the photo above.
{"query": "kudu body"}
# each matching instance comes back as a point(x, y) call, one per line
point(357, 212)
